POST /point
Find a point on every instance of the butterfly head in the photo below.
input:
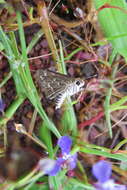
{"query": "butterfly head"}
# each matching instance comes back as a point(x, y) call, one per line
point(79, 83)
point(76, 86)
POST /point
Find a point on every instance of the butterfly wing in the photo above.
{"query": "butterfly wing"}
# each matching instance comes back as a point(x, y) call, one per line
point(52, 83)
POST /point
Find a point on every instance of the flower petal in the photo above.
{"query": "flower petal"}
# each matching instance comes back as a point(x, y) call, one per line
point(65, 143)
point(110, 185)
point(102, 171)
point(73, 161)
point(57, 167)
point(46, 165)
point(2, 105)
point(119, 187)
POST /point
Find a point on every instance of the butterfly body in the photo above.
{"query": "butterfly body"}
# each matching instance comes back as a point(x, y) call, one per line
point(58, 86)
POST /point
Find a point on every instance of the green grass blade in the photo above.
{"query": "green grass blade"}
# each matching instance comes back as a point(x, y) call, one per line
point(117, 156)
point(107, 101)
point(34, 40)
point(11, 110)
point(30, 89)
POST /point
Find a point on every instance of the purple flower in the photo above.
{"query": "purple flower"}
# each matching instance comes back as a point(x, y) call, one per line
point(2, 105)
point(102, 171)
point(46, 165)
point(66, 160)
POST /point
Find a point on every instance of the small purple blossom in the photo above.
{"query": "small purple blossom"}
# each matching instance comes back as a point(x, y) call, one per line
point(102, 171)
point(66, 160)
point(65, 144)
point(2, 105)
point(46, 165)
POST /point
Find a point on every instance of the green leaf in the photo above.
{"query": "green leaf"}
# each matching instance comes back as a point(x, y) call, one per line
point(1, 46)
point(2, 1)
point(112, 16)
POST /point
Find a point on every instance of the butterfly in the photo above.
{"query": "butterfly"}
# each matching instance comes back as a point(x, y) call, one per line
point(58, 86)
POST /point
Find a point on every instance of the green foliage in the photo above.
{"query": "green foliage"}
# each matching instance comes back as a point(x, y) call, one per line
point(112, 17)
point(115, 29)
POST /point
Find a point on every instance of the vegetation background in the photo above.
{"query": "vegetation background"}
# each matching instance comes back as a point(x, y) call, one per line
point(81, 38)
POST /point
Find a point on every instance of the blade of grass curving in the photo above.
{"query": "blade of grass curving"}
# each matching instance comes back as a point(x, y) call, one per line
point(117, 104)
point(113, 17)
point(119, 145)
point(14, 46)
point(11, 110)
point(73, 53)
point(26, 180)
point(23, 73)
point(31, 93)
point(13, 61)
point(112, 56)
point(110, 152)
point(30, 89)
point(44, 21)
point(54, 180)
point(23, 42)
point(119, 108)
point(69, 119)
point(81, 185)
point(107, 100)
point(5, 42)
point(9, 75)
point(21, 81)
point(45, 136)
point(34, 40)
point(19, 61)
point(116, 156)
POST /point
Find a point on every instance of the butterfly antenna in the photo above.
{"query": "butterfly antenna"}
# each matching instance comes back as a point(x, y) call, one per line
point(96, 75)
